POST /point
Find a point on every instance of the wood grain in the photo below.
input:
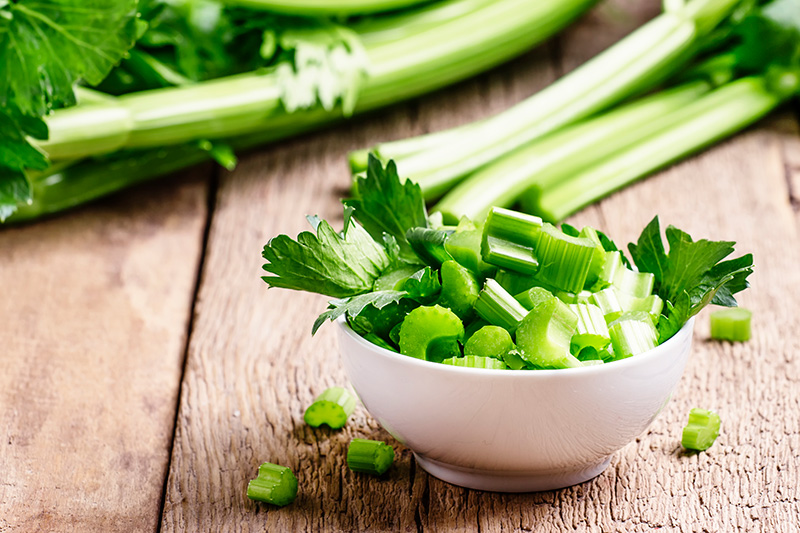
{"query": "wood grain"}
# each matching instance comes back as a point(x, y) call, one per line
point(253, 367)
point(94, 315)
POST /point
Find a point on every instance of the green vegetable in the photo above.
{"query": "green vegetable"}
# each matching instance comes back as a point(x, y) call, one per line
point(465, 248)
point(428, 244)
point(369, 456)
point(565, 260)
point(275, 484)
point(509, 238)
point(701, 430)
point(460, 289)
point(636, 284)
point(632, 333)
point(543, 336)
point(592, 330)
point(329, 263)
point(203, 71)
point(476, 361)
point(423, 286)
point(533, 296)
point(355, 305)
point(489, 341)
point(331, 408)
point(691, 276)
point(324, 7)
point(431, 334)
point(731, 324)
point(496, 306)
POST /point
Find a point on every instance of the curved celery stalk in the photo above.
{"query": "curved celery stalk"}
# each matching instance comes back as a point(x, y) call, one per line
point(543, 336)
point(431, 333)
point(460, 289)
point(489, 341)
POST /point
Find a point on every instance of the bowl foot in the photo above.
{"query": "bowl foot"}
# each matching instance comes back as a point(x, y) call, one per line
point(509, 481)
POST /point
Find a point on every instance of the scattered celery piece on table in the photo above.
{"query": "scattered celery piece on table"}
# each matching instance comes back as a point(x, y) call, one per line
point(731, 324)
point(701, 430)
point(331, 408)
point(275, 484)
point(369, 456)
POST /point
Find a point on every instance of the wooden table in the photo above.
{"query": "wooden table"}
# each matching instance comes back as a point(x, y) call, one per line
point(147, 371)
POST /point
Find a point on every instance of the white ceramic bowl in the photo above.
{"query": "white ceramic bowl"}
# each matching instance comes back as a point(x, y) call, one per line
point(513, 430)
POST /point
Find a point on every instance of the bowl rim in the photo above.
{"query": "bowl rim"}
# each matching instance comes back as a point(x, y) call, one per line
point(621, 365)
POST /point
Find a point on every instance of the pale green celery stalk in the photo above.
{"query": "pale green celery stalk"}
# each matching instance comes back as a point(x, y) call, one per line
point(314, 8)
point(562, 154)
point(634, 64)
point(711, 118)
point(424, 60)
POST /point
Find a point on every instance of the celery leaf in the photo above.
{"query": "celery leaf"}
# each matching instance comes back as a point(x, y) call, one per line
point(355, 305)
point(330, 263)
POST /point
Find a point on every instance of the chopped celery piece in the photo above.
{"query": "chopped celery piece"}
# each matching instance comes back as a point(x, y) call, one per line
point(465, 248)
point(496, 306)
point(564, 260)
point(608, 301)
point(331, 408)
point(394, 279)
point(592, 362)
point(423, 286)
point(632, 333)
point(431, 333)
point(460, 289)
point(592, 329)
point(638, 284)
point(701, 431)
point(428, 244)
point(489, 341)
point(611, 264)
point(652, 305)
point(509, 238)
point(513, 282)
point(598, 256)
point(543, 336)
point(378, 341)
point(583, 297)
point(472, 327)
point(566, 297)
point(514, 361)
point(476, 361)
point(465, 224)
point(731, 324)
point(369, 456)
point(275, 484)
point(533, 296)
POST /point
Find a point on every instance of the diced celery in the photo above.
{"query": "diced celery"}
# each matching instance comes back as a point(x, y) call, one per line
point(564, 260)
point(543, 336)
point(275, 484)
point(476, 361)
point(428, 244)
point(394, 279)
point(533, 296)
point(509, 238)
point(472, 327)
point(638, 284)
point(460, 289)
point(489, 341)
point(701, 430)
point(592, 362)
point(609, 303)
point(611, 264)
point(652, 305)
point(496, 306)
point(731, 324)
point(592, 329)
point(515, 362)
point(331, 408)
point(369, 456)
point(465, 248)
point(632, 334)
point(513, 282)
point(598, 256)
point(431, 333)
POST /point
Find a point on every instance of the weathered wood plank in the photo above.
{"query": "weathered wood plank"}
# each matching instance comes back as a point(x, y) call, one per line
point(252, 365)
point(95, 309)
